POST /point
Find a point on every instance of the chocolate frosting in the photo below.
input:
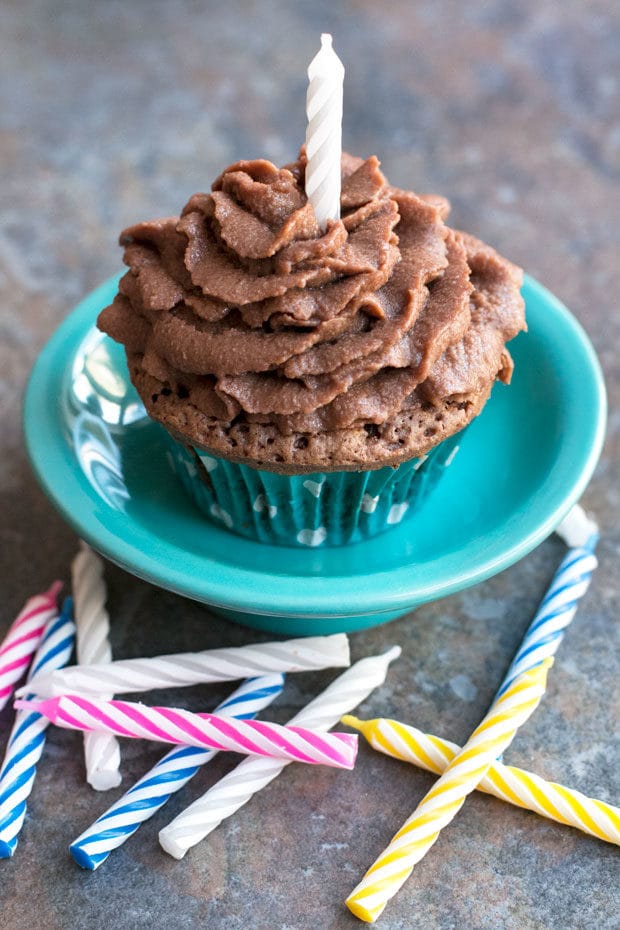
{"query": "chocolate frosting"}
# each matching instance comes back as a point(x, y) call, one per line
point(252, 333)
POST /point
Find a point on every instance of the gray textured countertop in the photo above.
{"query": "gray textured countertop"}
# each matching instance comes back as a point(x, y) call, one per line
point(119, 111)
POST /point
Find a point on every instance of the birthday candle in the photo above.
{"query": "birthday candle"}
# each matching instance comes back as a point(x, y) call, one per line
point(173, 725)
point(324, 132)
point(167, 776)
point(237, 787)
point(559, 605)
point(102, 753)
point(27, 737)
point(23, 637)
point(506, 782)
point(441, 804)
point(191, 668)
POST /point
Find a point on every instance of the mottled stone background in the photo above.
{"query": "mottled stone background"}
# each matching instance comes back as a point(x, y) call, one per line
point(117, 111)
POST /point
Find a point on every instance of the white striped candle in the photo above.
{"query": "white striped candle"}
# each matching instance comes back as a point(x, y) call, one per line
point(102, 755)
point(324, 132)
point(192, 668)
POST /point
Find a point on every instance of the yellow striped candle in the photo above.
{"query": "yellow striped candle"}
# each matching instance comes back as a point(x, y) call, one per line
point(506, 782)
point(441, 804)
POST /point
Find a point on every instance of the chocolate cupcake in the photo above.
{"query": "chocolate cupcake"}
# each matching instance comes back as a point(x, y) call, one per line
point(313, 385)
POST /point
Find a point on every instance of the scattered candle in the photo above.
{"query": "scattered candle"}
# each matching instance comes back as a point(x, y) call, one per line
point(516, 786)
point(102, 753)
point(442, 803)
point(27, 737)
point(210, 731)
point(23, 637)
point(559, 605)
point(192, 668)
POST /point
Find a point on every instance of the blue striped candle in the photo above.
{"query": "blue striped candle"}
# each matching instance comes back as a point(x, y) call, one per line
point(559, 605)
point(27, 737)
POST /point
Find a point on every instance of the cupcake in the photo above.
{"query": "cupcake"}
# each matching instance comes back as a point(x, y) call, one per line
point(313, 385)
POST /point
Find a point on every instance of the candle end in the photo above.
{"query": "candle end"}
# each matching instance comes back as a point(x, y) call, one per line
point(67, 607)
point(25, 704)
point(361, 911)
point(577, 529)
point(40, 684)
point(393, 653)
point(102, 779)
point(326, 59)
point(169, 844)
point(83, 859)
point(54, 590)
point(7, 848)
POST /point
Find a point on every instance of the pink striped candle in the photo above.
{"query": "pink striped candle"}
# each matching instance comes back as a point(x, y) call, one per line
point(23, 638)
point(171, 725)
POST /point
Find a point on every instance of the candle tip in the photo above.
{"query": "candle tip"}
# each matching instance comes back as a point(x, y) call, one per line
point(326, 39)
point(103, 779)
point(54, 590)
point(577, 528)
point(392, 653)
point(22, 704)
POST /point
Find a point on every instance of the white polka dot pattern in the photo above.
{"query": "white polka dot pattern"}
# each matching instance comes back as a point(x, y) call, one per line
point(322, 509)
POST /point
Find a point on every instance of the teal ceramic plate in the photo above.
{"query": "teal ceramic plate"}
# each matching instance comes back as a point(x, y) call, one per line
point(522, 464)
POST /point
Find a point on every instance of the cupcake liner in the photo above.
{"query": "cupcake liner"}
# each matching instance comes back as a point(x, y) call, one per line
point(319, 509)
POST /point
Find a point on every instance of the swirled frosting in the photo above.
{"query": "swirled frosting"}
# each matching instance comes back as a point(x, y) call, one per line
point(252, 333)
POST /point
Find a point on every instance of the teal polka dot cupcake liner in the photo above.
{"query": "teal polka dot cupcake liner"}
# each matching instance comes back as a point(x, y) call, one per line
point(320, 509)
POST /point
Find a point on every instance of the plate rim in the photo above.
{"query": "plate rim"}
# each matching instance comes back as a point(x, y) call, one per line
point(256, 598)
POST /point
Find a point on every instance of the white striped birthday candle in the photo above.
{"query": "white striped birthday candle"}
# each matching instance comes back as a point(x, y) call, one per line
point(102, 755)
point(192, 668)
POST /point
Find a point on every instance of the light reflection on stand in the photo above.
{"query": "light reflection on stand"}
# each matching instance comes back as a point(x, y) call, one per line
point(99, 405)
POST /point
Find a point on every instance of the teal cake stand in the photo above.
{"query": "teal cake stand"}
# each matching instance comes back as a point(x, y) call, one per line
point(522, 464)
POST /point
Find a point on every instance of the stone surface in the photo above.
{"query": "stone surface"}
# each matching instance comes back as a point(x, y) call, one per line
point(119, 111)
